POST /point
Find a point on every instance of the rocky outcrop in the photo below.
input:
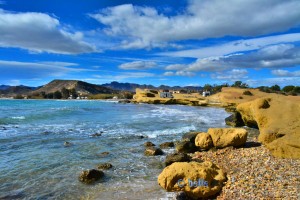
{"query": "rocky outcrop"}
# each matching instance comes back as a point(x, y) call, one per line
point(278, 119)
point(153, 151)
point(190, 136)
point(90, 176)
point(176, 157)
point(203, 141)
point(166, 145)
point(225, 137)
point(197, 180)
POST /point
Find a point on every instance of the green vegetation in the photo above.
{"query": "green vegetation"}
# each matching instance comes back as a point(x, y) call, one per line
point(247, 92)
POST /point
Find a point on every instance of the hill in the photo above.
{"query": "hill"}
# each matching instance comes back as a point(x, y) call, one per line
point(133, 86)
point(15, 90)
point(81, 87)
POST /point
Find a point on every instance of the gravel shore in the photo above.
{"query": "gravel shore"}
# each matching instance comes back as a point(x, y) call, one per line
point(253, 173)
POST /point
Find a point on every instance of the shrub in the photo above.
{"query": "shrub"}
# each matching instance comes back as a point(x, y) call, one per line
point(247, 92)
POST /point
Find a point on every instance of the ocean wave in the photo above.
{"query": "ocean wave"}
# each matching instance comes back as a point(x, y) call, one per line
point(18, 117)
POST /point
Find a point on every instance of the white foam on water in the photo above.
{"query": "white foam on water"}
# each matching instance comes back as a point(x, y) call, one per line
point(154, 134)
point(18, 117)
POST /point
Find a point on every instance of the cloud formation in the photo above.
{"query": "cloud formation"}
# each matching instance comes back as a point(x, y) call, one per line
point(30, 70)
point(141, 27)
point(285, 73)
point(138, 65)
point(232, 75)
point(272, 57)
point(38, 32)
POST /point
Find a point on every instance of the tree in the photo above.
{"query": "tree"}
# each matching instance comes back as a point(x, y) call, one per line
point(50, 95)
point(65, 93)
point(288, 88)
point(57, 95)
point(207, 87)
point(296, 89)
point(73, 93)
point(240, 84)
point(275, 88)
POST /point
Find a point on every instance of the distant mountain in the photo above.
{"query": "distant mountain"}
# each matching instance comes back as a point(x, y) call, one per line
point(15, 90)
point(4, 87)
point(132, 86)
point(81, 87)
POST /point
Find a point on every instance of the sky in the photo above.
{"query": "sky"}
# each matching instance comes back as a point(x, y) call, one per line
point(184, 43)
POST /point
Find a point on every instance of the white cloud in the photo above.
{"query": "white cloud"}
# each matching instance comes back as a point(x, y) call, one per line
point(282, 81)
point(285, 73)
point(232, 75)
point(124, 76)
point(235, 46)
point(39, 32)
point(179, 73)
point(30, 70)
point(276, 56)
point(146, 27)
point(175, 67)
point(138, 65)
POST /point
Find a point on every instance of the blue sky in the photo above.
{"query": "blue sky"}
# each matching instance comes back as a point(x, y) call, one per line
point(182, 43)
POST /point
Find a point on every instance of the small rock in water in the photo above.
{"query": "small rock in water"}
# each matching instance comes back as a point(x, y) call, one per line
point(90, 176)
point(4, 128)
point(103, 154)
point(104, 166)
point(181, 196)
point(97, 134)
point(177, 157)
point(153, 151)
point(149, 144)
point(67, 144)
point(166, 145)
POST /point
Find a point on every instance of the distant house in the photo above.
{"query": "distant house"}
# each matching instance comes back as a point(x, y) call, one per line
point(115, 97)
point(176, 92)
point(205, 93)
point(165, 95)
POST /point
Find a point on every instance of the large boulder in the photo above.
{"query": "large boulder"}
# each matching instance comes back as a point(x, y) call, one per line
point(197, 180)
point(149, 144)
point(153, 151)
point(204, 141)
point(177, 157)
point(225, 137)
point(185, 146)
point(90, 176)
point(166, 145)
point(278, 119)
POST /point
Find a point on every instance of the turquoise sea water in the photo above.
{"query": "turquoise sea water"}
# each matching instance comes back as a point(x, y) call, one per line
point(35, 164)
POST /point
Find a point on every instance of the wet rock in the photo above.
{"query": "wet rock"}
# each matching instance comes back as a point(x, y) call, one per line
point(176, 157)
point(185, 146)
point(104, 166)
point(103, 154)
point(124, 101)
point(190, 136)
point(225, 137)
point(149, 144)
point(90, 176)
point(234, 120)
point(204, 141)
point(97, 134)
point(67, 144)
point(166, 145)
point(181, 196)
point(153, 151)
point(197, 180)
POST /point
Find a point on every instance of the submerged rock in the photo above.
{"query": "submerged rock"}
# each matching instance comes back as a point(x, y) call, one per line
point(149, 144)
point(67, 144)
point(90, 176)
point(166, 145)
point(185, 146)
point(97, 134)
point(197, 180)
point(153, 151)
point(204, 141)
point(225, 137)
point(176, 157)
point(104, 166)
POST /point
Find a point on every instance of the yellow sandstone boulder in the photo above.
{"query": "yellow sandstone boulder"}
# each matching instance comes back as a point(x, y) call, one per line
point(278, 120)
point(225, 137)
point(203, 141)
point(197, 180)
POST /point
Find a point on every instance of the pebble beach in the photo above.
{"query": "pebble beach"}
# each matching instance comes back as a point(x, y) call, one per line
point(253, 173)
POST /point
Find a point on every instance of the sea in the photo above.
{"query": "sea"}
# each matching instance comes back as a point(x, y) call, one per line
point(35, 163)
